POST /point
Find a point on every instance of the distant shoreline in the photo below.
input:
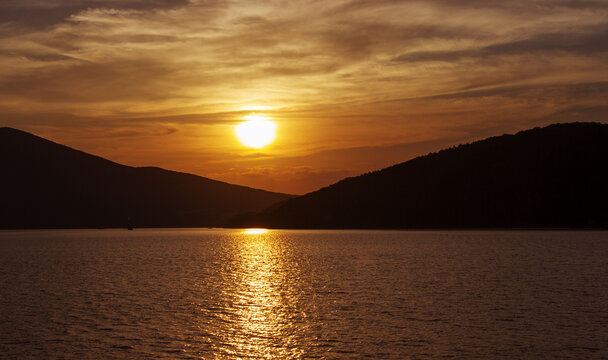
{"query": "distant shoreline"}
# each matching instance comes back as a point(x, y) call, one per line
point(321, 229)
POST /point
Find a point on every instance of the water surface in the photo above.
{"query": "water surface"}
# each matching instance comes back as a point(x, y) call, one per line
point(194, 293)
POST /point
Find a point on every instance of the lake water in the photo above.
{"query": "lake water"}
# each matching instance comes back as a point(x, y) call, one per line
point(198, 293)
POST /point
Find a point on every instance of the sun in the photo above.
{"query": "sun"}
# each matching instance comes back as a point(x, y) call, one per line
point(256, 132)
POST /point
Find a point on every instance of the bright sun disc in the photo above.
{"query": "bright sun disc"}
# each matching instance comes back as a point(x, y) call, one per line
point(256, 132)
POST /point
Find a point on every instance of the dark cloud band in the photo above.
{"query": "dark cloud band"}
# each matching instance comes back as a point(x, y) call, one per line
point(40, 14)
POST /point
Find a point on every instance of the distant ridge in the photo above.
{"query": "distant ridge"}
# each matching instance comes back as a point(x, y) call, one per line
point(550, 177)
point(47, 185)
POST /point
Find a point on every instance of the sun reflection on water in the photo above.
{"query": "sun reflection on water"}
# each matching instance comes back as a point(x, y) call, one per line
point(263, 299)
point(255, 231)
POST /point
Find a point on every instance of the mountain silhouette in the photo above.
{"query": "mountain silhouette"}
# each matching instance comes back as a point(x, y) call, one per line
point(47, 185)
point(556, 176)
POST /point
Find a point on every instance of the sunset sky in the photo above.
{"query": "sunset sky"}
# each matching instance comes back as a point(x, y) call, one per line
point(353, 86)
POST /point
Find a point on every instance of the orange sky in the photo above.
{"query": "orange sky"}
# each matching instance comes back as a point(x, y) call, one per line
point(353, 86)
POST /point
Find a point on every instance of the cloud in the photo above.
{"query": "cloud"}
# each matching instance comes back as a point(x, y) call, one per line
point(585, 43)
point(37, 14)
point(541, 93)
point(579, 113)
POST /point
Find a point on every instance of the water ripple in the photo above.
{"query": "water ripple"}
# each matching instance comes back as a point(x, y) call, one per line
point(227, 294)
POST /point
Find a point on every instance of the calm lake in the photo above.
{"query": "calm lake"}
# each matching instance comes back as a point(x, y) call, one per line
point(198, 293)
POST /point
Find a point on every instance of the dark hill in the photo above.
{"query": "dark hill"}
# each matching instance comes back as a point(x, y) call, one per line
point(47, 185)
point(555, 176)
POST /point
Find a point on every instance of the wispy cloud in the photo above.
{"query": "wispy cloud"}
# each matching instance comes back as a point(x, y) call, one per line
point(585, 43)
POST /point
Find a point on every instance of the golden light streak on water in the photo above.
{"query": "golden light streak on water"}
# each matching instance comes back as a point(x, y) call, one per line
point(264, 299)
